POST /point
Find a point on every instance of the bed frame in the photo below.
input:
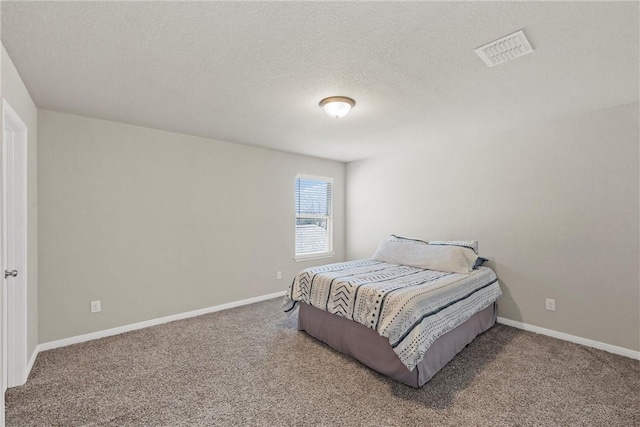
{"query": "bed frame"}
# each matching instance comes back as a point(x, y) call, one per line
point(365, 345)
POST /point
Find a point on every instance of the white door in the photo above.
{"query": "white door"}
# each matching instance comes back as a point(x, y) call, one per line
point(14, 251)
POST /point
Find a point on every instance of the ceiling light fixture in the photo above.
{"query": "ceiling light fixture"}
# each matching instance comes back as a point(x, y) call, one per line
point(337, 106)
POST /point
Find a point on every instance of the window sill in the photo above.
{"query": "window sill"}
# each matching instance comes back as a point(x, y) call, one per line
point(310, 257)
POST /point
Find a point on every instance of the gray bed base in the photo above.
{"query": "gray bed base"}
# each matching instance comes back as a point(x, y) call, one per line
point(364, 344)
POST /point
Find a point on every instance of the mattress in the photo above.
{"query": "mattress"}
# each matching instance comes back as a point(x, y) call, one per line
point(409, 307)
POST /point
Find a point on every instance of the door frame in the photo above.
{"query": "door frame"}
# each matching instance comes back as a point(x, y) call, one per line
point(14, 301)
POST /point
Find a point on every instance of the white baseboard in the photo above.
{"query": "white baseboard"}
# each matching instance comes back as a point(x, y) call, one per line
point(32, 360)
point(572, 338)
point(153, 322)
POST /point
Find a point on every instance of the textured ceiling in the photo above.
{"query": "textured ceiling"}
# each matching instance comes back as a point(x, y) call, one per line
point(254, 72)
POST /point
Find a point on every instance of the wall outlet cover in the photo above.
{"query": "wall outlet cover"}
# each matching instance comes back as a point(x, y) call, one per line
point(550, 304)
point(95, 306)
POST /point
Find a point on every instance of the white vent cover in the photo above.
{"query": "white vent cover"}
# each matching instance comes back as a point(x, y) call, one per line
point(504, 49)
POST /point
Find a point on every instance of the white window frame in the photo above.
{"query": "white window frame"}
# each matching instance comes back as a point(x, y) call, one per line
point(329, 218)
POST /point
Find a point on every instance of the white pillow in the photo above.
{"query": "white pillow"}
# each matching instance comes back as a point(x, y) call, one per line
point(417, 253)
point(400, 250)
point(471, 244)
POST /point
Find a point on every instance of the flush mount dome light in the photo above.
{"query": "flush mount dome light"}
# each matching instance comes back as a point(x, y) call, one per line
point(337, 106)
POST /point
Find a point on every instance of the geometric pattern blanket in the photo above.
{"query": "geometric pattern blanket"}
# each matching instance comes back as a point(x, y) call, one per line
point(410, 306)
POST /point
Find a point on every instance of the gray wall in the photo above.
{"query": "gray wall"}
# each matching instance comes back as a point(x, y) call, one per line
point(555, 207)
point(154, 223)
point(16, 94)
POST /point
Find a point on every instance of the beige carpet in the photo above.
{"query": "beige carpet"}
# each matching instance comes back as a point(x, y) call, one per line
point(249, 366)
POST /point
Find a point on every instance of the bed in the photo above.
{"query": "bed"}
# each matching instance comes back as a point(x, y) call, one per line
point(402, 321)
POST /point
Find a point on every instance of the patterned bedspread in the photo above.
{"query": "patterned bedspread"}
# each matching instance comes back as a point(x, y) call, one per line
point(410, 306)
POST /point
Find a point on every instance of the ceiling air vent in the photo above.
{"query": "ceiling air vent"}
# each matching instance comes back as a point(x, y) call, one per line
point(504, 49)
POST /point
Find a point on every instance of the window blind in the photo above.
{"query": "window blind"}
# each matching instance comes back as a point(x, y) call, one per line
point(313, 200)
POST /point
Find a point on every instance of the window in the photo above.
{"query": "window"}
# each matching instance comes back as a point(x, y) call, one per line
point(314, 217)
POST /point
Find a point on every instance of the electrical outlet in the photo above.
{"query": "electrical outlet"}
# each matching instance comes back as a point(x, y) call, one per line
point(551, 304)
point(278, 275)
point(95, 306)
